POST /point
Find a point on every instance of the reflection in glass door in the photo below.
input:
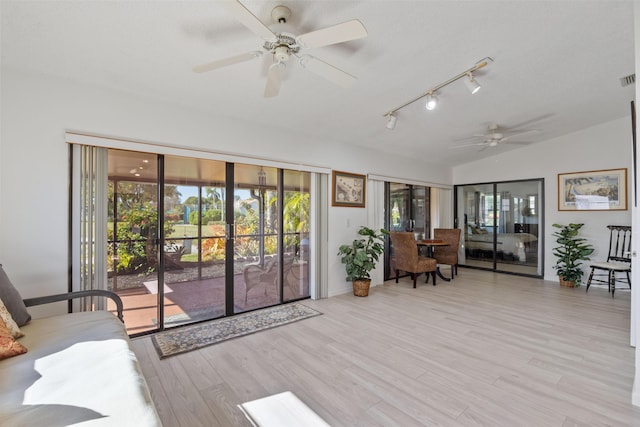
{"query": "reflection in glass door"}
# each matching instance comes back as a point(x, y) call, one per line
point(502, 226)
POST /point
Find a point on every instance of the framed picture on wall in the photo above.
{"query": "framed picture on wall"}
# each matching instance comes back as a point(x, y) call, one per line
point(593, 190)
point(348, 189)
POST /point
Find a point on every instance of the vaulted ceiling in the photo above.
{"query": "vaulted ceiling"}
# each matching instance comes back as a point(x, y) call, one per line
point(556, 65)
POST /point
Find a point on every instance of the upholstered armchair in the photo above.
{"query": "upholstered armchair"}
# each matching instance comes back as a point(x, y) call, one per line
point(447, 255)
point(405, 249)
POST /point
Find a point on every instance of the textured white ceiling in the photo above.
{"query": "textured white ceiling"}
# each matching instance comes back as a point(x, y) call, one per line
point(557, 64)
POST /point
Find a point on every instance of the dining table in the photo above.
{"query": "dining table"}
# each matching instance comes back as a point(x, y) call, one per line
point(430, 244)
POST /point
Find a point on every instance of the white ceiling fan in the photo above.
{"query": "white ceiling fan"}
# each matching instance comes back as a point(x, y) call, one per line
point(495, 135)
point(282, 44)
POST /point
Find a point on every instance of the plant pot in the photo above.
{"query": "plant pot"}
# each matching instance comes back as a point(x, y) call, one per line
point(361, 287)
point(567, 283)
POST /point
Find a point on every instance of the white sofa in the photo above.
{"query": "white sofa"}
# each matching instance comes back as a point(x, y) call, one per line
point(79, 369)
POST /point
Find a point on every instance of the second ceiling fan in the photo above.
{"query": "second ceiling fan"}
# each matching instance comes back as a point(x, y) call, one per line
point(283, 45)
point(495, 135)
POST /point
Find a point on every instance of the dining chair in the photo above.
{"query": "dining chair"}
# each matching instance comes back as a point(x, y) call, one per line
point(447, 255)
point(618, 259)
point(407, 257)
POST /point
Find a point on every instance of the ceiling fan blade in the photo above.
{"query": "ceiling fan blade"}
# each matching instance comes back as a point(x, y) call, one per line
point(249, 20)
point(274, 79)
point(519, 142)
point(473, 144)
point(529, 122)
point(327, 71)
point(513, 135)
point(471, 138)
point(226, 61)
point(350, 30)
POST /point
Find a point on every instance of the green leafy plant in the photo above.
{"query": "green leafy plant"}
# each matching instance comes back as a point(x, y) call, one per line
point(570, 252)
point(208, 216)
point(360, 257)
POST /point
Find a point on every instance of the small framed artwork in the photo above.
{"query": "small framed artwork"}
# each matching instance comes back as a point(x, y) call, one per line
point(593, 190)
point(348, 189)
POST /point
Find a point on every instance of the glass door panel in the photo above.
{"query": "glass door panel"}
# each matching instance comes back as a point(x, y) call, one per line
point(256, 280)
point(517, 229)
point(131, 236)
point(477, 204)
point(400, 207)
point(419, 201)
point(407, 208)
point(295, 223)
point(213, 231)
point(194, 269)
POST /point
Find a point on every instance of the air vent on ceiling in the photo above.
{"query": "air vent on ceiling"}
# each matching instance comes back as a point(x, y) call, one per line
point(628, 80)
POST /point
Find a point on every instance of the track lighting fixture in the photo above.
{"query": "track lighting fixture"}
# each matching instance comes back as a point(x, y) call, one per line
point(391, 121)
point(472, 84)
point(432, 102)
point(432, 99)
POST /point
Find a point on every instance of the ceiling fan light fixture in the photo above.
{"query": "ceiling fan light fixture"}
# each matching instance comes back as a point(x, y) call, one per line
point(281, 53)
point(472, 84)
point(280, 40)
point(432, 102)
point(391, 121)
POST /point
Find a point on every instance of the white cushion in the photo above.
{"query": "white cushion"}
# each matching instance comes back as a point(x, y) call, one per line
point(281, 410)
point(80, 368)
point(617, 266)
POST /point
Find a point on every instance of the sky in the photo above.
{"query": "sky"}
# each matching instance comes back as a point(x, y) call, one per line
point(186, 192)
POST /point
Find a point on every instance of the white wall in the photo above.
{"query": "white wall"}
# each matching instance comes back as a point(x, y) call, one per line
point(635, 273)
point(606, 146)
point(36, 112)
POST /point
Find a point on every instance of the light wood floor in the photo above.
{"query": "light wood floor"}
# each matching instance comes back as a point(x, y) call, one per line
point(485, 349)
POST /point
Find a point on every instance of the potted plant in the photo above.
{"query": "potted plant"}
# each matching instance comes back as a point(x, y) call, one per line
point(571, 251)
point(360, 258)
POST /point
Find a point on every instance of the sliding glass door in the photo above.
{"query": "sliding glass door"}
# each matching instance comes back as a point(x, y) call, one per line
point(256, 230)
point(132, 233)
point(193, 265)
point(502, 226)
point(407, 209)
point(296, 217)
point(193, 239)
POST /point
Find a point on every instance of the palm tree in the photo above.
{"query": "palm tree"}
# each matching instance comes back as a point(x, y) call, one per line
point(296, 212)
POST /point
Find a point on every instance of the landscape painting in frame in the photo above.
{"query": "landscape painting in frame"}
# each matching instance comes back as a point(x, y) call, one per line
point(593, 190)
point(348, 189)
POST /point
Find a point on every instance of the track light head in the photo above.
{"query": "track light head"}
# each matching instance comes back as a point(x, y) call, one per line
point(391, 121)
point(472, 84)
point(432, 102)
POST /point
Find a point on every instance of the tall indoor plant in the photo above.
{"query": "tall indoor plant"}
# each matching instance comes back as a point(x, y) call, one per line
point(360, 258)
point(570, 253)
